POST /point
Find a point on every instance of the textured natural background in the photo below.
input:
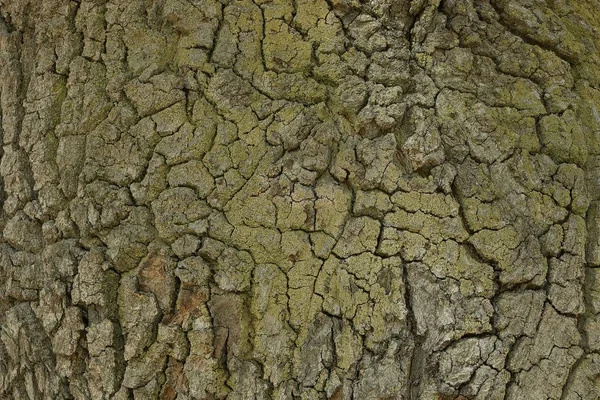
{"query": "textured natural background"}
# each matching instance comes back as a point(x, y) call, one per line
point(300, 199)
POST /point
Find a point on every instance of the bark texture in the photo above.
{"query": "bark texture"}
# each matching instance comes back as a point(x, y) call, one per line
point(300, 199)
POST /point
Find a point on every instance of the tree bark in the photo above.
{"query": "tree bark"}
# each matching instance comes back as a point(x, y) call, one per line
point(300, 199)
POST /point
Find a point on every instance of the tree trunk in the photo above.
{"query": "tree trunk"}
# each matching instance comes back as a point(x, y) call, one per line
point(300, 199)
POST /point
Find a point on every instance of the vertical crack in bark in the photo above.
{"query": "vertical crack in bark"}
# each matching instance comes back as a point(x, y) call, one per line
point(419, 354)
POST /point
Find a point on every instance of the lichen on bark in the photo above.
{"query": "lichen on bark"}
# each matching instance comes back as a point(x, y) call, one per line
point(300, 199)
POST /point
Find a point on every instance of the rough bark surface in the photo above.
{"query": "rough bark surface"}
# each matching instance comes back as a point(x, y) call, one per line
point(300, 199)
